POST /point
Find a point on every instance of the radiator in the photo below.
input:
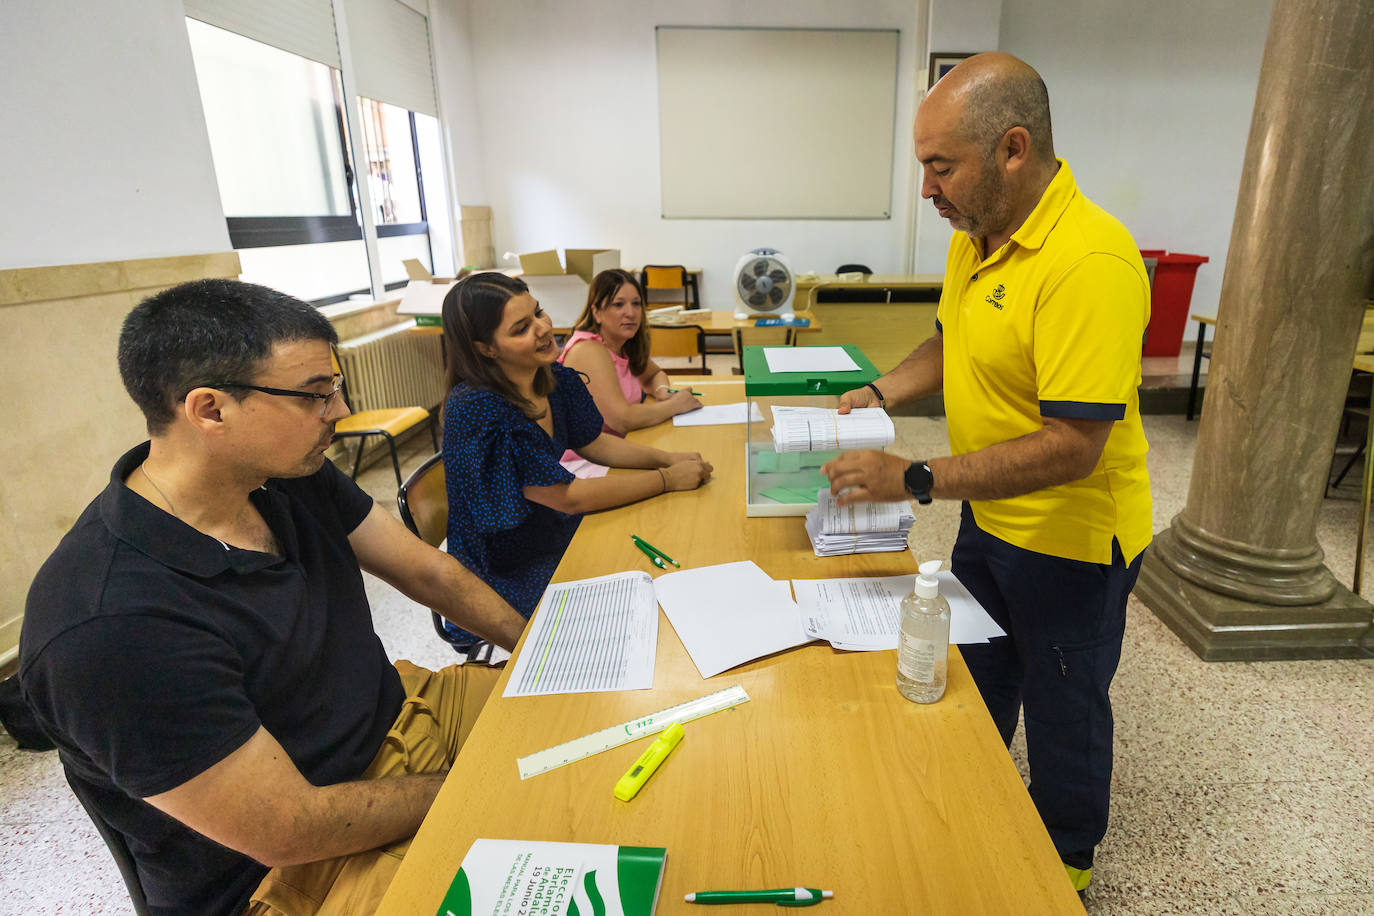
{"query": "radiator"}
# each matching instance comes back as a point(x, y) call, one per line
point(393, 367)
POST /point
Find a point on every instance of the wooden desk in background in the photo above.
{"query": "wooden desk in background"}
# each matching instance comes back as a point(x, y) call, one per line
point(809, 284)
point(827, 777)
point(710, 321)
point(716, 321)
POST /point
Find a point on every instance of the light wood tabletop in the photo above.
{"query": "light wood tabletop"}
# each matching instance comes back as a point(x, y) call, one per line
point(827, 777)
point(712, 321)
point(720, 321)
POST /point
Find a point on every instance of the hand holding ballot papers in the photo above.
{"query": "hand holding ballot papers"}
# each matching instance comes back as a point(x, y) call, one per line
point(816, 429)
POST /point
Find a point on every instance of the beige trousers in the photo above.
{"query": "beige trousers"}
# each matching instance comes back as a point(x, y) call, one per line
point(435, 719)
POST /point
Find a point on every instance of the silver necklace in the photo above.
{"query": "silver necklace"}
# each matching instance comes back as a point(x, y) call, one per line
point(175, 514)
point(150, 480)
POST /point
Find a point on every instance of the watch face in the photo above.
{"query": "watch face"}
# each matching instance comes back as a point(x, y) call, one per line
point(918, 481)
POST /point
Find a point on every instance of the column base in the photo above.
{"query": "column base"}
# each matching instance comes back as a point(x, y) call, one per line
point(1223, 628)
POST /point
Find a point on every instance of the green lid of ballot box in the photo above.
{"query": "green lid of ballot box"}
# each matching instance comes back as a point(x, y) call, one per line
point(760, 382)
point(785, 483)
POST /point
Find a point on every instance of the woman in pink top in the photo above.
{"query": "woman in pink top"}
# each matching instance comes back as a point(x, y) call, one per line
point(610, 347)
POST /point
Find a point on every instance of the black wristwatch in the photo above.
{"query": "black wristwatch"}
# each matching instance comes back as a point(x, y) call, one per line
point(918, 481)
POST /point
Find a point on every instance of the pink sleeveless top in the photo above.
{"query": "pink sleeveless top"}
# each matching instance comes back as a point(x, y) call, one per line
point(629, 386)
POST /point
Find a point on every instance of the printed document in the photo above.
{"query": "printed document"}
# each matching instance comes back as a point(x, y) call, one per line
point(719, 415)
point(811, 429)
point(590, 636)
point(729, 614)
point(864, 614)
point(809, 359)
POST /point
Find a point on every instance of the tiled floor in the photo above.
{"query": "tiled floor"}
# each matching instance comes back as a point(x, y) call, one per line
point(1240, 788)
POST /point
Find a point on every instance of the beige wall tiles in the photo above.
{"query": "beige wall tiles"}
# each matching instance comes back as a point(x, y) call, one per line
point(66, 416)
point(40, 284)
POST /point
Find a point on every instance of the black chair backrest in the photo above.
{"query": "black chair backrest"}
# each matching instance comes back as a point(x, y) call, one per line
point(853, 269)
point(128, 869)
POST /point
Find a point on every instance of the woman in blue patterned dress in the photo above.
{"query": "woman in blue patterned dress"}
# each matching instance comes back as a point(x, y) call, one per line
point(510, 414)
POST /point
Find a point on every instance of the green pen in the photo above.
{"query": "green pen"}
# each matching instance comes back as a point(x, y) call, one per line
point(783, 896)
point(695, 394)
point(652, 550)
point(653, 557)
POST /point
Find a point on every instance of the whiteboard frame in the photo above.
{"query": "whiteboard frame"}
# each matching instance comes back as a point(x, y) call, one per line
point(828, 157)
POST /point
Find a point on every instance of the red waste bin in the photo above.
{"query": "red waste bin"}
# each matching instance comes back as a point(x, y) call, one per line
point(1170, 296)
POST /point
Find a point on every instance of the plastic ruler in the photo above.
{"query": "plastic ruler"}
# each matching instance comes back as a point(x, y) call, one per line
point(552, 758)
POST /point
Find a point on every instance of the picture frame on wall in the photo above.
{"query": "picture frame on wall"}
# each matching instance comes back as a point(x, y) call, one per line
point(941, 62)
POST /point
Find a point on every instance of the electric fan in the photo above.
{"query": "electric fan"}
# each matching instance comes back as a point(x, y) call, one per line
point(763, 285)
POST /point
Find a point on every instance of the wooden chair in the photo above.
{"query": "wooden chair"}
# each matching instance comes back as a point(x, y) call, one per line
point(387, 422)
point(423, 503)
point(669, 277)
point(775, 336)
point(688, 341)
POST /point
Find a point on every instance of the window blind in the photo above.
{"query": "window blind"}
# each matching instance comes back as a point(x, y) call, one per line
point(304, 27)
point(391, 58)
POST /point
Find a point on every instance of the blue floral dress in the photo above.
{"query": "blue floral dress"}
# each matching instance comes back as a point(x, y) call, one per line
point(492, 451)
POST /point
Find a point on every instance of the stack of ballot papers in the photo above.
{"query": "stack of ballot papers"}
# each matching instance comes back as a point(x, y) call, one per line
point(815, 429)
point(861, 528)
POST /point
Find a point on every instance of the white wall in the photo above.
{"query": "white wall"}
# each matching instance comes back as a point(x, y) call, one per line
point(1151, 106)
point(566, 97)
point(106, 155)
point(956, 27)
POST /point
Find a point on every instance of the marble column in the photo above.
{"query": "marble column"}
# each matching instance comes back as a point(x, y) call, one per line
point(1239, 573)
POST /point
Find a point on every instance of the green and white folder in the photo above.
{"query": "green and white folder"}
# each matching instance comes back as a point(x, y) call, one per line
point(519, 878)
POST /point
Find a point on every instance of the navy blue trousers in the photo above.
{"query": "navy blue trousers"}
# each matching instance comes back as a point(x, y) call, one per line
point(1064, 621)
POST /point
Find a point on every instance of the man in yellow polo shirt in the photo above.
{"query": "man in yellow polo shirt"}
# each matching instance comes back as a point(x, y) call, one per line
point(1037, 349)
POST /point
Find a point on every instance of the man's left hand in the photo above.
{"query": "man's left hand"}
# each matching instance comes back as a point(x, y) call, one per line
point(866, 477)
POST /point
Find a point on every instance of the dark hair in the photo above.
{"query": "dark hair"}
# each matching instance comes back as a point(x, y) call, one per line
point(997, 103)
point(603, 289)
point(472, 313)
point(204, 332)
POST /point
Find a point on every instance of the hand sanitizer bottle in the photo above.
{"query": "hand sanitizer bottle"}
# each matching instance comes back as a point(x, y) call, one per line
point(923, 643)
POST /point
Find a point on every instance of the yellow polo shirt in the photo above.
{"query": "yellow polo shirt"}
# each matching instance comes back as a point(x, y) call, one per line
point(1051, 325)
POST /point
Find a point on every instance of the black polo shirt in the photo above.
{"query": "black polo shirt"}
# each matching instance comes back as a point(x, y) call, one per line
point(150, 652)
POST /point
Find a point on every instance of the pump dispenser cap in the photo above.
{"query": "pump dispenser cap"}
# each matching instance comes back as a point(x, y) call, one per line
point(927, 585)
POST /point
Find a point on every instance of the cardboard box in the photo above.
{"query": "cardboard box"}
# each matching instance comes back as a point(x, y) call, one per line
point(583, 262)
point(424, 295)
point(562, 291)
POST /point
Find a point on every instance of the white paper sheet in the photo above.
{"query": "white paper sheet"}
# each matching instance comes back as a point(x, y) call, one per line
point(809, 359)
point(593, 635)
point(729, 614)
point(811, 429)
point(865, 613)
point(718, 414)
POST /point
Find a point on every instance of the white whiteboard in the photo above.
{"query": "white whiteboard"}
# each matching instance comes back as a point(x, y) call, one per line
point(776, 123)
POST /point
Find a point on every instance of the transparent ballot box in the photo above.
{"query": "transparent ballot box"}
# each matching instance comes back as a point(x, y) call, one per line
point(784, 480)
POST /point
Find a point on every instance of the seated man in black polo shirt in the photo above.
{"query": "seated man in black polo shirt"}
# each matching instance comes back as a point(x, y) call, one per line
point(200, 647)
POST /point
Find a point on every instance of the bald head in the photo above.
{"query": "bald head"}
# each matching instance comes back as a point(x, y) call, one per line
point(997, 92)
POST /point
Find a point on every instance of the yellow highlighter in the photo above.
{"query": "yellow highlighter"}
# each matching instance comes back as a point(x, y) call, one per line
point(629, 785)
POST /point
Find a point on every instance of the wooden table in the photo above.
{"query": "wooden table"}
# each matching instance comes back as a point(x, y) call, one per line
point(826, 778)
point(809, 285)
point(709, 320)
point(720, 321)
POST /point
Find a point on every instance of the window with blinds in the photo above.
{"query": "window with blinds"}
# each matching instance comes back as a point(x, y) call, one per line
point(273, 89)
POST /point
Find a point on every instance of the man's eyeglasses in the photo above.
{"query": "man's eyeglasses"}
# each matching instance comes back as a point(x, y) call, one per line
point(326, 399)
